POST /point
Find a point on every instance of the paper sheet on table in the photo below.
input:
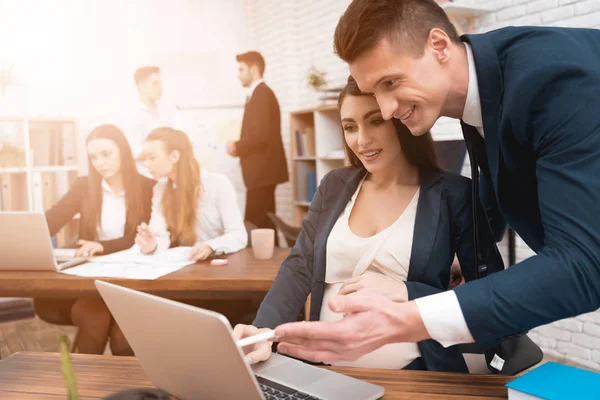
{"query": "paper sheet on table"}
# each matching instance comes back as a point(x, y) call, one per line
point(124, 270)
point(130, 264)
point(134, 256)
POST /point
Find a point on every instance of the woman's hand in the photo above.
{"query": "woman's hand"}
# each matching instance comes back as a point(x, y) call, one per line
point(376, 283)
point(88, 248)
point(257, 352)
point(200, 252)
point(145, 239)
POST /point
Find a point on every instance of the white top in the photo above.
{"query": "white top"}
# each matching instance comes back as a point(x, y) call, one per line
point(114, 214)
point(219, 222)
point(441, 313)
point(145, 121)
point(388, 253)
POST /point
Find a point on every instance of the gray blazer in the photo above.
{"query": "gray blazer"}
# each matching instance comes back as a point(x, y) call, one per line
point(443, 228)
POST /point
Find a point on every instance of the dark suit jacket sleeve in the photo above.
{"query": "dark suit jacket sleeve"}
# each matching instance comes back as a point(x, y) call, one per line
point(560, 118)
point(67, 207)
point(256, 135)
point(292, 285)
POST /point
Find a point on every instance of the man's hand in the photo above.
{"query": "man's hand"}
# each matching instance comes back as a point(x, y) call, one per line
point(231, 148)
point(88, 248)
point(376, 283)
point(370, 321)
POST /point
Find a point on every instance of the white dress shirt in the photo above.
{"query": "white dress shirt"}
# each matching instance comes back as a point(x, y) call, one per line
point(386, 253)
point(219, 223)
point(114, 214)
point(441, 313)
point(145, 121)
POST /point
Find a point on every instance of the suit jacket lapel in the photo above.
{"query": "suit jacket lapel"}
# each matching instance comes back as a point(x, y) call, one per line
point(426, 225)
point(338, 196)
point(489, 77)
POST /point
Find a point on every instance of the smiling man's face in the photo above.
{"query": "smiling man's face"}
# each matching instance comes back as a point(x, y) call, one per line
point(411, 89)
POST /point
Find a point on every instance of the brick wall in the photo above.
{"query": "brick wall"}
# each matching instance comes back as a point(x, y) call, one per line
point(294, 35)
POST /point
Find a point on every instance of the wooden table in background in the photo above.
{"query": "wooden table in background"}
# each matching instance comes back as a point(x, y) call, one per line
point(242, 276)
point(35, 376)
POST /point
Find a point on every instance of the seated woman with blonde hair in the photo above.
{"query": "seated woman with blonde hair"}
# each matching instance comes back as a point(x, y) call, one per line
point(193, 206)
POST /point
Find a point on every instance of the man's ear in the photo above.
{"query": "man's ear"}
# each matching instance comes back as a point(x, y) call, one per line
point(440, 44)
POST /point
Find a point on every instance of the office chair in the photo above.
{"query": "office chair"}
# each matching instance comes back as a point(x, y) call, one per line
point(249, 227)
point(290, 233)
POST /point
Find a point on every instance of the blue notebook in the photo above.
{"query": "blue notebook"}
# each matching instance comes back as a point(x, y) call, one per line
point(554, 381)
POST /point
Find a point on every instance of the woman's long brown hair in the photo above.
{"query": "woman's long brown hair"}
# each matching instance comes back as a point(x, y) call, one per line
point(418, 150)
point(131, 182)
point(179, 204)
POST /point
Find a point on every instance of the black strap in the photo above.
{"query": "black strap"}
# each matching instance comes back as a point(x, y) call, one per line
point(476, 148)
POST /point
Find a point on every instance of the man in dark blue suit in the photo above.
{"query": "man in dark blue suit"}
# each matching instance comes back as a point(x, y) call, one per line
point(529, 103)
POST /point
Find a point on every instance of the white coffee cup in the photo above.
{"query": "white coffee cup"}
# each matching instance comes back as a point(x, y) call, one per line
point(263, 243)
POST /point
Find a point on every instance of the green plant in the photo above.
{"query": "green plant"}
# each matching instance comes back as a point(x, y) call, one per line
point(66, 367)
point(316, 78)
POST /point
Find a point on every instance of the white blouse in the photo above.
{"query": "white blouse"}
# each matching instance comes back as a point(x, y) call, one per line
point(114, 214)
point(387, 252)
point(219, 223)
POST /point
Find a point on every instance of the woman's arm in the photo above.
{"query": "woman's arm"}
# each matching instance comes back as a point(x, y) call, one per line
point(234, 237)
point(158, 224)
point(292, 285)
point(67, 207)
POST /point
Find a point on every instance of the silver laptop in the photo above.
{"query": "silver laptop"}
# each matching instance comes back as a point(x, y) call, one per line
point(190, 353)
point(25, 243)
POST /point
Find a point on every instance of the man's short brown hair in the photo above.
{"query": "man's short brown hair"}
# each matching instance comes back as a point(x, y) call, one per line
point(142, 73)
point(366, 22)
point(252, 58)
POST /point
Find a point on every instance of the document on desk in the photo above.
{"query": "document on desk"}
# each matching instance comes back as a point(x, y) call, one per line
point(130, 264)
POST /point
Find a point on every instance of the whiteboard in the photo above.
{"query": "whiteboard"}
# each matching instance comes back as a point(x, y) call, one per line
point(209, 129)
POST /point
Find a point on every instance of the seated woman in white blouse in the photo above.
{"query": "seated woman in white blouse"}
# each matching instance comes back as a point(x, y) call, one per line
point(391, 223)
point(192, 207)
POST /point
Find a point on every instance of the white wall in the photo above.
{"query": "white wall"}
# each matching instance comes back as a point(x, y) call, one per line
point(293, 35)
point(77, 58)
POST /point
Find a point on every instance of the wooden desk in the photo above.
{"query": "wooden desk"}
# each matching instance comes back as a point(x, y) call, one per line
point(242, 275)
point(33, 376)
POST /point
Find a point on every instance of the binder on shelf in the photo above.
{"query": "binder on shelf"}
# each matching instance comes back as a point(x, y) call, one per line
point(68, 144)
point(309, 142)
point(305, 142)
point(48, 190)
point(41, 143)
point(311, 178)
point(37, 191)
point(303, 169)
point(299, 144)
point(14, 192)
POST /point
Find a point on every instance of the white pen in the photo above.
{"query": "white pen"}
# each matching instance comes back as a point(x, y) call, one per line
point(255, 338)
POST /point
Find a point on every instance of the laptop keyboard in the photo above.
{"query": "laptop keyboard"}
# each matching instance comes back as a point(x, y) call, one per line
point(276, 391)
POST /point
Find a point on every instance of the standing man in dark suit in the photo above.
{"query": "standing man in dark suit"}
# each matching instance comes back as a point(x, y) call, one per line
point(528, 100)
point(260, 147)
